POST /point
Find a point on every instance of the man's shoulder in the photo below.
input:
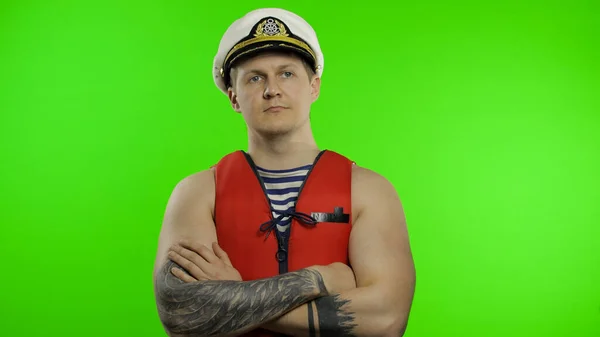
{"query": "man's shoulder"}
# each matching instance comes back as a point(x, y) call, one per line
point(368, 179)
point(199, 186)
point(200, 178)
point(369, 188)
point(204, 180)
point(206, 177)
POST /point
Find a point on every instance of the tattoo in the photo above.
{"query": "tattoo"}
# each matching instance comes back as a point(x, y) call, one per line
point(311, 321)
point(334, 319)
point(210, 308)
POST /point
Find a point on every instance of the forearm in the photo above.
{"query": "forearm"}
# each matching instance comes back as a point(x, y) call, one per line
point(225, 308)
point(359, 312)
point(293, 323)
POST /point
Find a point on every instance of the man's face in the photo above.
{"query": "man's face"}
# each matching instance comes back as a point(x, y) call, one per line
point(273, 92)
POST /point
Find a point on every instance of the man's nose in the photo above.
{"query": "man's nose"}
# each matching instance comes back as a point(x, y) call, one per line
point(272, 88)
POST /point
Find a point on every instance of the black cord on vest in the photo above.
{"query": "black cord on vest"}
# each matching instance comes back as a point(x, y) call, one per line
point(303, 218)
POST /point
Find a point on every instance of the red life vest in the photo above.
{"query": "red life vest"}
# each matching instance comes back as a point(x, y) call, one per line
point(242, 209)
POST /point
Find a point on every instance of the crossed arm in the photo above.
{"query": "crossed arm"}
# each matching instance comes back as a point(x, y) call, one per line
point(299, 303)
point(229, 308)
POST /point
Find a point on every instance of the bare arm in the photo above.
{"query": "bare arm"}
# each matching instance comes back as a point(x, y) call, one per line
point(382, 262)
point(223, 308)
point(228, 308)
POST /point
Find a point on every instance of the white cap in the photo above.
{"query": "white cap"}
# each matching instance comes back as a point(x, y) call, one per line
point(266, 29)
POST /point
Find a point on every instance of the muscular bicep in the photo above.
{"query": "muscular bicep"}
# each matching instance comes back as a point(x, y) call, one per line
point(379, 249)
point(188, 215)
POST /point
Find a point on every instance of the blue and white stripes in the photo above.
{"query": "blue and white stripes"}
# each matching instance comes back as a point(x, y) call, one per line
point(282, 188)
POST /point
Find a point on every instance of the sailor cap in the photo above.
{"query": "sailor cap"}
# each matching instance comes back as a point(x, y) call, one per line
point(261, 30)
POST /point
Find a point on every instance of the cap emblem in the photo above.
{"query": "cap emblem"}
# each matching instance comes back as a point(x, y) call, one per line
point(270, 27)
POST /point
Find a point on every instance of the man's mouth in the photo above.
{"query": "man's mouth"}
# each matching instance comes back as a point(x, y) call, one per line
point(275, 108)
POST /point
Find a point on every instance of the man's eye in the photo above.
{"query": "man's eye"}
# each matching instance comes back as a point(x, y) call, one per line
point(287, 74)
point(254, 78)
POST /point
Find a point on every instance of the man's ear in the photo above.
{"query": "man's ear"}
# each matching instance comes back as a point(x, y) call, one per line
point(315, 88)
point(233, 100)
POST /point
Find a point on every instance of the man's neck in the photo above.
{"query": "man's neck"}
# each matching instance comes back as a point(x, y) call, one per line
point(281, 154)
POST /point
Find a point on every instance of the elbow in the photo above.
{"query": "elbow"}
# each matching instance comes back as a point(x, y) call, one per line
point(389, 315)
point(171, 323)
point(169, 331)
point(396, 328)
point(174, 329)
point(175, 315)
point(395, 317)
point(392, 326)
point(183, 318)
point(176, 308)
point(392, 319)
point(176, 325)
point(181, 321)
point(166, 315)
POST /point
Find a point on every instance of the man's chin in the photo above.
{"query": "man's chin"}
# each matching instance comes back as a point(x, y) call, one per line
point(274, 132)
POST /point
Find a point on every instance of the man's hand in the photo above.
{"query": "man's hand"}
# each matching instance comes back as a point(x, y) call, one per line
point(201, 263)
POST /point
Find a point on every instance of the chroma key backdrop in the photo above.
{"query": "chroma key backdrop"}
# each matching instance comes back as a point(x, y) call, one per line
point(484, 115)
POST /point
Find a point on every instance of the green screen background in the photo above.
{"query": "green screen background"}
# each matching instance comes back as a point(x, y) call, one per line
point(486, 118)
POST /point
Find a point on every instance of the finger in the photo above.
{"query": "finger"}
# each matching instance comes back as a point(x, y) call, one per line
point(200, 249)
point(192, 268)
point(221, 254)
point(180, 274)
point(192, 255)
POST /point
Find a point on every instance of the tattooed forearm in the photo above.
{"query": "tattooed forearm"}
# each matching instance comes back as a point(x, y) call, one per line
point(311, 321)
point(333, 316)
point(210, 308)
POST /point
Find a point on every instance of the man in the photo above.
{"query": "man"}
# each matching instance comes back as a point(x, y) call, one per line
point(285, 238)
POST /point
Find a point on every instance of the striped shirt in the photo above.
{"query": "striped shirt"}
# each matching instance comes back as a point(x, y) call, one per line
point(282, 188)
